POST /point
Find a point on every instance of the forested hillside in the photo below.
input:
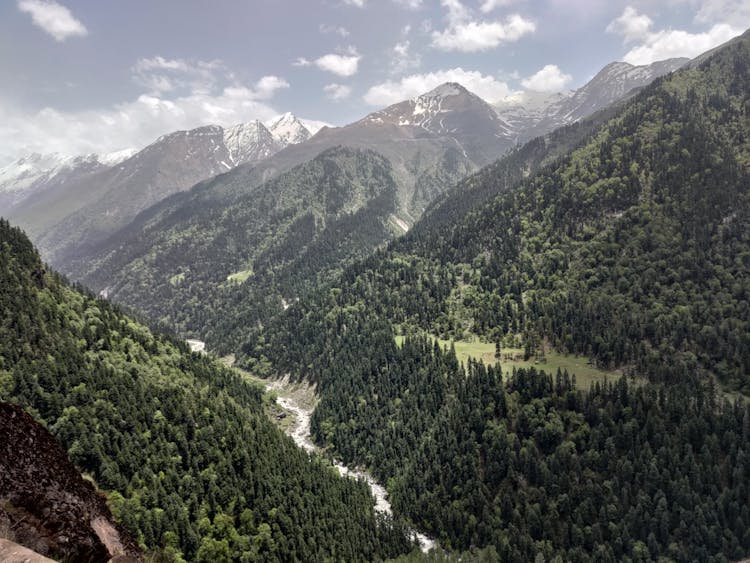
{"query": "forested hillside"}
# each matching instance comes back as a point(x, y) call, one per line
point(188, 267)
point(631, 249)
point(192, 466)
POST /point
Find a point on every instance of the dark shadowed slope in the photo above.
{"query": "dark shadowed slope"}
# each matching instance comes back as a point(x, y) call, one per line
point(45, 503)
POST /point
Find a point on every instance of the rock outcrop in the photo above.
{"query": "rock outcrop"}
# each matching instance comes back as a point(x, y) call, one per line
point(45, 504)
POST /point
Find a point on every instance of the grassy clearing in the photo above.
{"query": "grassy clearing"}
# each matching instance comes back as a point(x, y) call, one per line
point(239, 277)
point(585, 373)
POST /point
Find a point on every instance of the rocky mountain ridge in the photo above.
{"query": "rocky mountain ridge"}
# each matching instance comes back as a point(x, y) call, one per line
point(531, 114)
point(64, 202)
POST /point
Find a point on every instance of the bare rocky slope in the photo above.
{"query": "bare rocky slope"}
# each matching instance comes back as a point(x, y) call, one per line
point(45, 504)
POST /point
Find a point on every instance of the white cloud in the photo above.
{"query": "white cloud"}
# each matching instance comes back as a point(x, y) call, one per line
point(160, 75)
point(357, 3)
point(53, 18)
point(338, 30)
point(631, 25)
point(337, 92)
point(391, 92)
point(403, 59)
point(733, 12)
point(457, 12)
point(671, 43)
point(409, 4)
point(668, 43)
point(490, 5)
point(341, 65)
point(301, 61)
point(266, 87)
point(160, 63)
point(549, 79)
point(194, 93)
point(480, 36)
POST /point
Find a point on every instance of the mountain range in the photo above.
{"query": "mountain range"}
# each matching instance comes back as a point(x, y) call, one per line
point(539, 347)
point(447, 362)
point(69, 205)
point(188, 246)
point(66, 203)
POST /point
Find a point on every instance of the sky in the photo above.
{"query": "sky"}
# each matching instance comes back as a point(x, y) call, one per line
point(83, 76)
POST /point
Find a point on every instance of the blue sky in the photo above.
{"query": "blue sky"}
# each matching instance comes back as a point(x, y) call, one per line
point(87, 75)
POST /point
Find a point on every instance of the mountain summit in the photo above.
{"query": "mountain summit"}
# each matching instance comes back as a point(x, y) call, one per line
point(453, 111)
point(531, 114)
point(288, 130)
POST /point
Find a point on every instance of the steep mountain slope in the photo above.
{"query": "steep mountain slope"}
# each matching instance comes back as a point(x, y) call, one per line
point(37, 173)
point(291, 233)
point(69, 204)
point(629, 200)
point(532, 114)
point(630, 249)
point(192, 465)
point(66, 517)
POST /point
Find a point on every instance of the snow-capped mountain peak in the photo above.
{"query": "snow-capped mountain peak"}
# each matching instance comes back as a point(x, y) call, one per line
point(533, 113)
point(445, 90)
point(116, 157)
point(30, 169)
point(250, 141)
point(288, 130)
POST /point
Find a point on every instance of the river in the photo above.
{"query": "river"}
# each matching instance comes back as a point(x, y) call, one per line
point(300, 433)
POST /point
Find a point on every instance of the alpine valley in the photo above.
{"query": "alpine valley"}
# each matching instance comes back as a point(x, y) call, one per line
point(455, 329)
point(235, 248)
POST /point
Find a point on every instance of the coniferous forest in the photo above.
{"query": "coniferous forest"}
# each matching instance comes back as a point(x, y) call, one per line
point(630, 249)
point(619, 244)
point(190, 462)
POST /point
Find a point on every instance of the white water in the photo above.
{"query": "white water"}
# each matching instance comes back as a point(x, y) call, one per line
point(300, 433)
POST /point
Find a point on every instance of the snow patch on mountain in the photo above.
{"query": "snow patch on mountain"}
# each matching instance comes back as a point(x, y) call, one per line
point(288, 130)
point(314, 126)
point(250, 142)
point(115, 158)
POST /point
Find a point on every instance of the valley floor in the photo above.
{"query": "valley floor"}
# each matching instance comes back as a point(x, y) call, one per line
point(291, 408)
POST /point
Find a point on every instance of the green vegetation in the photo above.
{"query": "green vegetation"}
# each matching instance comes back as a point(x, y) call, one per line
point(192, 465)
point(177, 279)
point(513, 358)
point(530, 465)
point(241, 276)
point(297, 231)
point(632, 250)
